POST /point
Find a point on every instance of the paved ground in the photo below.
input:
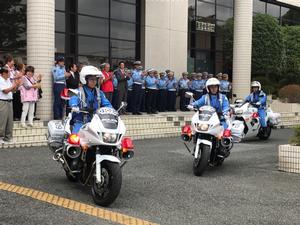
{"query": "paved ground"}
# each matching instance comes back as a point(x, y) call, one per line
point(159, 186)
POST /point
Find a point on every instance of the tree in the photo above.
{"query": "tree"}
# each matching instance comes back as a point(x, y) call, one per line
point(13, 25)
point(267, 46)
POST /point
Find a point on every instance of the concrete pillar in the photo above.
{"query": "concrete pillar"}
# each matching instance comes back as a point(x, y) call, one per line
point(242, 45)
point(164, 35)
point(40, 48)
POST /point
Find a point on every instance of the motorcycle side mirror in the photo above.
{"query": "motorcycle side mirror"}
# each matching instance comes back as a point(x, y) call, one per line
point(123, 105)
point(189, 94)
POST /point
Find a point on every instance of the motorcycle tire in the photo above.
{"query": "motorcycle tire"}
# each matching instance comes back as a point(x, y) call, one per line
point(110, 186)
point(265, 136)
point(201, 163)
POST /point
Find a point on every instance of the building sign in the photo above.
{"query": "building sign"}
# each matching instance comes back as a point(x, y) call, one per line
point(203, 26)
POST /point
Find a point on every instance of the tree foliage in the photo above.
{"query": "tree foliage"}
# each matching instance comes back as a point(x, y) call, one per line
point(13, 25)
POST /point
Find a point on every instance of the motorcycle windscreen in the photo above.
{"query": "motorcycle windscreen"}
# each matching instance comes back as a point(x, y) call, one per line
point(109, 117)
point(206, 112)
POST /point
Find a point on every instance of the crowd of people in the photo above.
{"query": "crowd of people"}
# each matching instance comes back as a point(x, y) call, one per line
point(20, 89)
point(148, 91)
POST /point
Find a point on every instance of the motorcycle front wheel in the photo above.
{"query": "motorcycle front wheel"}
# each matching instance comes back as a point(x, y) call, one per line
point(201, 162)
point(108, 190)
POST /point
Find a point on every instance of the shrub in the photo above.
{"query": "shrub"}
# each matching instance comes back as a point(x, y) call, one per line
point(295, 140)
point(290, 93)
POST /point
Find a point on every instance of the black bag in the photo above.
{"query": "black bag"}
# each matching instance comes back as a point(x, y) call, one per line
point(40, 92)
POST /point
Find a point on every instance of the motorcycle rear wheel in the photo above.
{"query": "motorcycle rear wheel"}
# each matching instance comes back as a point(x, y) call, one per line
point(265, 135)
point(105, 193)
point(201, 162)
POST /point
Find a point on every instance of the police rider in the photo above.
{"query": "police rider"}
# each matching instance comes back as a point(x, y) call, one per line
point(258, 99)
point(215, 99)
point(90, 98)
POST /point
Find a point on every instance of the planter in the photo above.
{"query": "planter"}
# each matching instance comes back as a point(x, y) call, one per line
point(289, 158)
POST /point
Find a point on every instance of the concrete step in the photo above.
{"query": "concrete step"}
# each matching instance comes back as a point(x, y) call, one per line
point(30, 137)
point(30, 131)
point(154, 135)
point(24, 144)
point(154, 130)
point(154, 125)
point(36, 124)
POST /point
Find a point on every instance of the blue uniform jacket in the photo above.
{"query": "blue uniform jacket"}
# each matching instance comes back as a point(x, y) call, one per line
point(130, 83)
point(151, 82)
point(256, 97)
point(162, 84)
point(137, 76)
point(183, 84)
point(225, 86)
point(92, 101)
point(171, 84)
point(59, 74)
point(219, 102)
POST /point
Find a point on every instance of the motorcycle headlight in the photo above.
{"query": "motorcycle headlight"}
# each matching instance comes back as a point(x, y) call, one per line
point(202, 126)
point(109, 138)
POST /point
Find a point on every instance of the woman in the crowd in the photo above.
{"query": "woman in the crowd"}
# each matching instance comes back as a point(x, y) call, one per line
point(17, 104)
point(7, 87)
point(107, 82)
point(29, 95)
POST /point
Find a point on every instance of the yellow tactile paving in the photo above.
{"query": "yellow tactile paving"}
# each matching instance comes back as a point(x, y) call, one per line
point(74, 205)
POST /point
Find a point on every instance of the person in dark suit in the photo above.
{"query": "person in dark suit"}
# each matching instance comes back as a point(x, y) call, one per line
point(72, 81)
point(122, 78)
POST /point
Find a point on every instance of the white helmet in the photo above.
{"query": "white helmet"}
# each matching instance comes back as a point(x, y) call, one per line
point(211, 82)
point(89, 70)
point(256, 84)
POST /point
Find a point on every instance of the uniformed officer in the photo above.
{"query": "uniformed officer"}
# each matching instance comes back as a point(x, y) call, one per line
point(115, 98)
point(172, 90)
point(198, 86)
point(204, 78)
point(129, 91)
point(183, 85)
point(225, 86)
point(151, 86)
point(137, 91)
point(162, 92)
point(219, 76)
point(59, 77)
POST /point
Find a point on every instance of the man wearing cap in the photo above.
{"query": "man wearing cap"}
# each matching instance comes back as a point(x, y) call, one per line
point(183, 88)
point(225, 86)
point(162, 92)
point(172, 89)
point(198, 86)
point(138, 81)
point(151, 85)
point(59, 77)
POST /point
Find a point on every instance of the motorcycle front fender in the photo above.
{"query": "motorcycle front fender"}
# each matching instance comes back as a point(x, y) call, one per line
point(201, 141)
point(101, 158)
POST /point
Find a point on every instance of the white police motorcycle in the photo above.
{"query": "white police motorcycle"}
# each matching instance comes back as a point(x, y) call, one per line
point(246, 122)
point(94, 156)
point(212, 143)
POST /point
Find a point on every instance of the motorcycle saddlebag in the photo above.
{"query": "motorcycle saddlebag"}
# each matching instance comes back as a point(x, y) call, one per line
point(55, 134)
point(237, 130)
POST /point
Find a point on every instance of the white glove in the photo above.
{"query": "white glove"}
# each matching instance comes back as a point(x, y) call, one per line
point(75, 109)
point(190, 107)
point(258, 103)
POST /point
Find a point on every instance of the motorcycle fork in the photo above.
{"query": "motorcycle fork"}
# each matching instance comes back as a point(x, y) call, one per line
point(98, 166)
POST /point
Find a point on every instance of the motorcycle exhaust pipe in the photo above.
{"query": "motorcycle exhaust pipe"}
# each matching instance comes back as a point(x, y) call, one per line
point(226, 142)
point(73, 152)
point(186, 137)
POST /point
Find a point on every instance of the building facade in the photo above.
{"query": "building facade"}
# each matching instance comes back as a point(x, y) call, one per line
point(182, 35)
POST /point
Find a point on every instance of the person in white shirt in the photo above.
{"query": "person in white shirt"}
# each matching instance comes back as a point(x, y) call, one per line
point(7, 87)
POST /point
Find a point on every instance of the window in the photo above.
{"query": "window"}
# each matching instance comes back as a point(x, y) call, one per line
point(60, 21)
point(123, 49)
point(59, 43)
point(259, 7)
point(123, 11)
point(93, 26)
point(93, 46)
point(273, 10)
point(94, 7)
point(60, 5)
point(228, 3)
point(123, 30)
point(224, 13)
point(205, 10)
